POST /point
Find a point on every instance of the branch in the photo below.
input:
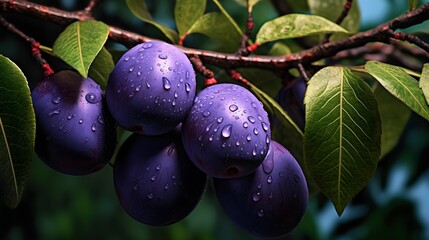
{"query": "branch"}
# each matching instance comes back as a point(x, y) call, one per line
point(281, 63)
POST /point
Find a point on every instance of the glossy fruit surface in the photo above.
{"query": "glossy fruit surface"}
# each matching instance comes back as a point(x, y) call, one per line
point(155, 181)
point(75, 133)
point(269, 202)
point(227, 132)
point(151, 88)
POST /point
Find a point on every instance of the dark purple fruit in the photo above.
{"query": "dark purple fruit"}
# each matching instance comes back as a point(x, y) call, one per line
point(227, 132)
point(151, 88)
point(291, 98)
point(269, 202)
point(75, 133)
point(155, 181)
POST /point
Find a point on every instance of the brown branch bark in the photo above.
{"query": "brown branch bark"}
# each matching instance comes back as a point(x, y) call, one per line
point(377, 34)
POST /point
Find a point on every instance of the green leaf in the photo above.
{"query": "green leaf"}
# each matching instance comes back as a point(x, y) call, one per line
point(101, 68)
point(401, 85)
point(187, 12)
point(17, 132)
point(230, 19)
point(292, 137)
point(139, 9)
point(424, 82)
point(215, 25)
point(295, 25)
point(279, 49)
point(332, 9)
point(342, 134)
point(412, 4)
point(79, 44)
point(394, 117)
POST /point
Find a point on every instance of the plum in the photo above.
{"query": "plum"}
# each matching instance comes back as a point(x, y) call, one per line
point(269, 202)
point(75, 133)
point(154, 179)
point(151, 89)
point(227, 132)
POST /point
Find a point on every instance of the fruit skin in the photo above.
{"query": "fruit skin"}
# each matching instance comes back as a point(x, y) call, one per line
point(151, 89)
point(227, 132)
point(291, 98)
point(269, 202)
point(154, 179)
point(75, 133)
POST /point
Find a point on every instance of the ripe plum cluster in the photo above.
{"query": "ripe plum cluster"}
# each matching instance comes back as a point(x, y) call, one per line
point(179, 139)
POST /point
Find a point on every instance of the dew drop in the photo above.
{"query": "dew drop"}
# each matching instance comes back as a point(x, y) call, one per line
point(254, 151)
point(56, 100)
point(270, 179)
point(245, 124)
point(54, 112)
point(237, 143)
point(226, 131)
point(248, 137)
point(162, 56)
point(211, 138)
point(80, 121)
point(256, 196)
point(153, 178)
point(86, 139)
point(260, 118)
point(138, 88)
point(158, 167)
point(174, 102)
point(219, 120)
point(271, 195)
point(150, 195)
point(264, 126)
point(253, 104)
point(296, 178)
point(91, 98)
point(173, 177)
point(139, 73)
point(93, 128)
point(147, 45)
point(268, 164)
point(147, 84)
point(187, 75)
point(166, 83)
point(233, 108)
point(260, 212)
point(206, 113)
point(267, 139)
point(176, 94)
point(209, 127)
point(187, 87)
point(251, 119)
point(131, 69)
point(136, 187)
point(255, 131)
point(157, 100)
point(126, 58)
point(166, 186)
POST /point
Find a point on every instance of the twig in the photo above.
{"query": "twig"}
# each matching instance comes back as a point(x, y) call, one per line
point(340, 19)
point(411, 39)
point(200, 68)
point(35, 46)
point(280, 63)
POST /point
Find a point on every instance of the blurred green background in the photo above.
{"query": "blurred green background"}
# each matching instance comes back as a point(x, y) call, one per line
point(56, 206)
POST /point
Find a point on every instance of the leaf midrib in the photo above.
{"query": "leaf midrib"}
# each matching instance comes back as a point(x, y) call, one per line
point(340, 150)
point(79, 45)
point(9, 158)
